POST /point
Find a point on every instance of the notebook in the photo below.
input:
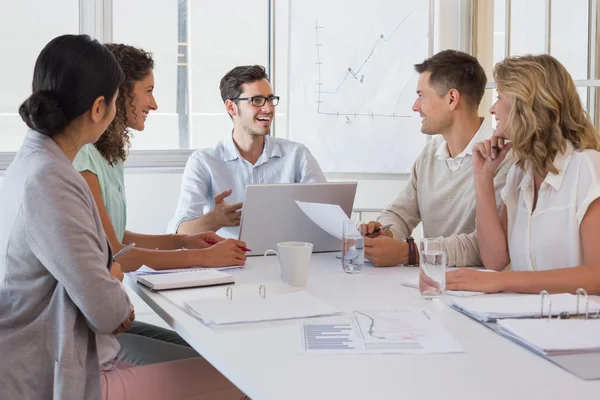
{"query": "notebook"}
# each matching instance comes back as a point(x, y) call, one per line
point(554, 337)
point(185, 279)
point(488, 309)
point(239, 310)
point(145, 270)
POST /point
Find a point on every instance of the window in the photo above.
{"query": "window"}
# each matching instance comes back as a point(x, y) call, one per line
point(197, 43)
point(24, 31)
point(562, 28)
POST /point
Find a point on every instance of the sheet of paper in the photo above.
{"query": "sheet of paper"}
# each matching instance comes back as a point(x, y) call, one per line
point(329, 217)
point(555, 336)
point(404, 331)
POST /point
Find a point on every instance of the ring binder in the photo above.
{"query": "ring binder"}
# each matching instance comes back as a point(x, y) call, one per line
point(262, 292)
point(579, 292)
point(545, 293)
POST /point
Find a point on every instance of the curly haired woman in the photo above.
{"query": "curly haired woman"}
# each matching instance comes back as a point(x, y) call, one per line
point(101, 165)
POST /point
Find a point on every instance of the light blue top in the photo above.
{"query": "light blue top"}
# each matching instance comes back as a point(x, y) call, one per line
point(112, 184)
point(209, 172)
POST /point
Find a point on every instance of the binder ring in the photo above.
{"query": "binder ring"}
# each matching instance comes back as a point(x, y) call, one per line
point(545, 293)
point(262, 291)
point(580, 292)
point(229, 293)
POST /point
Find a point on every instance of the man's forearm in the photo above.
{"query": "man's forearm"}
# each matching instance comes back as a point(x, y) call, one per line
point(205, 223)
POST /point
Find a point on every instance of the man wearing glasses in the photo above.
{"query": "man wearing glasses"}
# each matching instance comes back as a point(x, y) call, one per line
point(249, 156)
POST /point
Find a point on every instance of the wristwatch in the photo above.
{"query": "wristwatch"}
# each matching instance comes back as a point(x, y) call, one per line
point(412, 251)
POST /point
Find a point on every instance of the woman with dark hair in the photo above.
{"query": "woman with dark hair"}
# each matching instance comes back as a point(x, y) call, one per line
point(101, 165)
point(59, 305)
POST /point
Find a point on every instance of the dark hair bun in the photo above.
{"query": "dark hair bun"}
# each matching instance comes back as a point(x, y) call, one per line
point(42, 112)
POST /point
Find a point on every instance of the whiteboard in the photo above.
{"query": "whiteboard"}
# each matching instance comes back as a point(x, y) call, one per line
point(352, 82)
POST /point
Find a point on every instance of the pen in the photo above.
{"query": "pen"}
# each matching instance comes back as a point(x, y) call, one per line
point(382, 228)
point(213, 242)
point(123, 251)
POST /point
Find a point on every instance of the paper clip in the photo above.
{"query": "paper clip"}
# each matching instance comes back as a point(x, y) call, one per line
point(580, 292)
point(544, 293)
point(262, 291)
point(229, 293)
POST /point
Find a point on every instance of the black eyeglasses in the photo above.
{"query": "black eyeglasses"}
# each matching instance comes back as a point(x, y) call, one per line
point(259, 101)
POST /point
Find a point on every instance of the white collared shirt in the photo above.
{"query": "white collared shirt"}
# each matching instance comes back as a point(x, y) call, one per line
point(485, 132)
point(549, 237)
point(209, 172)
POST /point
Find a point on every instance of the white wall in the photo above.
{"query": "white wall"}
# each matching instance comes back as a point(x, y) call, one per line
point(152, 197)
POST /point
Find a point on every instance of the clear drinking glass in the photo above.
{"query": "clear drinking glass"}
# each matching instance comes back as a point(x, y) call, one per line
point(353, 247)
point(432, 268)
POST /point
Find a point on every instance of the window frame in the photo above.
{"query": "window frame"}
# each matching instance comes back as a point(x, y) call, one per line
point(481, 49)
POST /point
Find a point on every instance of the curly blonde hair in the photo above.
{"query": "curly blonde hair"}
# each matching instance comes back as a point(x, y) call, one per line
point(546, 111)
point(136, 64)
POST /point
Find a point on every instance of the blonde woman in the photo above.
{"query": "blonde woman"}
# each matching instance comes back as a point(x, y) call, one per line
point(549, 222)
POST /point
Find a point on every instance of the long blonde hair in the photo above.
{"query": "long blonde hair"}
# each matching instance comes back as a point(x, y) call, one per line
point(546, 111)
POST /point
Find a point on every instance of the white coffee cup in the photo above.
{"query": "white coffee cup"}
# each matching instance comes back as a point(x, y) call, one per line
point(294, 261)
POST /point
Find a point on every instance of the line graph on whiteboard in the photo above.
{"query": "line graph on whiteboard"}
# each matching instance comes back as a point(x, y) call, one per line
point(352, 82)
point(355, 73)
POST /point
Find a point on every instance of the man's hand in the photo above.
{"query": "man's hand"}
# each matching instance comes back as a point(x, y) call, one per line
point(224, 214)
point(384, 251)
point(116, 271)
point(369, 230)
point(201, 240)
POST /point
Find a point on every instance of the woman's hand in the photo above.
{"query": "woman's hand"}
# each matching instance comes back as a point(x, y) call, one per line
point(489, 154)
point(473, 280)
point(116, 271)
point(128, 323)
point(201, 240)
point(225, 253)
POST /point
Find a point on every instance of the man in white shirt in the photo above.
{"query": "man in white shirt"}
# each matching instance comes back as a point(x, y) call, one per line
point(440, 190)
point(249, 156)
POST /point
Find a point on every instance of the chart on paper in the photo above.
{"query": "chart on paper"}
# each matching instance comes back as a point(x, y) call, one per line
point(403, 331)
point(329, 335)
point(352, 81)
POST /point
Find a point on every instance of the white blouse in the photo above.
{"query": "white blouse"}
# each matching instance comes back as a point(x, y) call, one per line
point(549, 237)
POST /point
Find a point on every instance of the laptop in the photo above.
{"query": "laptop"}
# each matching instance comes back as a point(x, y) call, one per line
point(271, 215)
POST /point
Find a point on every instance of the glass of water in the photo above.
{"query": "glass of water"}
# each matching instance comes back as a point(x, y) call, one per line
point(432, 268)
point(353, 247)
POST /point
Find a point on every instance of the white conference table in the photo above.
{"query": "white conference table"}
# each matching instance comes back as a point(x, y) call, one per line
point(264, 359)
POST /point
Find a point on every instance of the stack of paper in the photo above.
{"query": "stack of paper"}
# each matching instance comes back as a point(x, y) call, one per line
point(554, 337)
point(488, 309)
point(286, 306)
point(414, 283)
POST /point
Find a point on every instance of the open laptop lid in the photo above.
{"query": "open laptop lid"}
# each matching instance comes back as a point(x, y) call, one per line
point(270, 214)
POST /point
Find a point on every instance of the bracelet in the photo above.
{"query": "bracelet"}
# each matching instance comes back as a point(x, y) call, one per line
point(412, 251)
